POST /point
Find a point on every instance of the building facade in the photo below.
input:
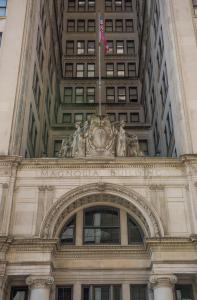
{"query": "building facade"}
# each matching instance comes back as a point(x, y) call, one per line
point(118, 228)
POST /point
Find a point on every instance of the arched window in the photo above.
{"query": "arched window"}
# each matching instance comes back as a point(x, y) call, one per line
point(101, 225)
point(135, 234)
point(67, 235)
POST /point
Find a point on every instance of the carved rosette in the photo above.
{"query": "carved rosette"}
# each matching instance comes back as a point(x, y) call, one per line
point(40, 282)
point(162, 280)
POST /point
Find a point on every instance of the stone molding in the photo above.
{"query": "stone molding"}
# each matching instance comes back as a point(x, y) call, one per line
point(40, 282)
point(162, 280)
point(99, 193)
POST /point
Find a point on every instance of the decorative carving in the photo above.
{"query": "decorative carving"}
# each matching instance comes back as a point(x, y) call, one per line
point(163, 280)
point(100, 138)
point(93, 193)
point(40, 282)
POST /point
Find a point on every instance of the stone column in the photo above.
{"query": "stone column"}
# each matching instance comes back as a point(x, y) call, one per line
point(79, 228)
point(126, 291)
point(40, 287)
point(123, 227)
point(163, 285)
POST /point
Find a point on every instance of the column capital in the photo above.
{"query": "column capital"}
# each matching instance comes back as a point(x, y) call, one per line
point(164, 280)
point(40, 282)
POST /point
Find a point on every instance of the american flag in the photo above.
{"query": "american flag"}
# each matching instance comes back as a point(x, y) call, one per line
point(102, 35)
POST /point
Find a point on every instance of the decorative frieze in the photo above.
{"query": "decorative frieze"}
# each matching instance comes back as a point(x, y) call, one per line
point(40, 282)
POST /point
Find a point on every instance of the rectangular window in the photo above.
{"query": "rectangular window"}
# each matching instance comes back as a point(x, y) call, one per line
point(110, 47)
point(79, 95)
point(109, 70)
point(108, 5)
point(133, 94)
point(134, 117)
point(118, 5)
point(101, 292)
point(69, 47)
point(57, 147)
point(91, 70)
point(80, 70)
point(184, 292)
point(81, 25)
point(3, 4)
point(91, 5)
point(120, 70)
point(144, 147)
point(122, 117)
point(120, 47)
point(67, 118)
point(81, 5)
point(68, 70)
point(71, 25)
point(132, 70)
point(129, 25)
point(64, 293)
point(71, 5)
point(138, 292)
point(131, 48)
point(112, 117)
point(90, 94)
point(121, 94)
point(68, 94)
point(91, 47)
point(78, 118)
point(20, 293)
point(91, 25)
point(110, 94)
point(119, 25)
point(109, 25)
point(128, 5)
point(80, 47)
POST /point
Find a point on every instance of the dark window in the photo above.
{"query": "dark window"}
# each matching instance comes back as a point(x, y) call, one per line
point(91, 5)
point(69, 70)
point(91, 47)
point(134, 117)
point(101, 292)
point(91, 70)
point(110, 94)
point(69, 47)
point(131, 47)
point(81, 5)
point(120, 47)
point(119, 25)
point(80, 47)
point(3, 4)
point(78, 118)
point(128, 5)
point(19, 293)
point(129, 25)
point(132, 70)
point(67, 235)
point(109, 70)
point(79, 95)
point(68, 95)
point(112, 117)
point(71, 5)
point(139, 292)
point(118, 5)
point(144, 147)
point(71, 25)
point(110, 47)
point(90, 94)
point(81, 25)
point(101, 225)
point(120, 70)
point(122, 117)
point(1, 34)
point(91, 25)
point(57, 147)
point(108, 5)
point(64, 293)
point(121, 94)
point(133, 94)
point(80, 70)
point(108, 25)
point(134, 232)
point(184, 292)
point(67, 118)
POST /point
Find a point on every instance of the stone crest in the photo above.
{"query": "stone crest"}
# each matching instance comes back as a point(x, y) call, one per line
point(99, 138)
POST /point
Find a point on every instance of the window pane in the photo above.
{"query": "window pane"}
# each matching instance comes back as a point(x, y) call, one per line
point(18, 293)
point(67, 235)
point(120, 47)
point(134, 232)
point(80, 47)
point(90, 95)
point(79, 95)
point(184, 292)
point(91, 70)
point(64, 293)
point(91, 47)
point(139, 292)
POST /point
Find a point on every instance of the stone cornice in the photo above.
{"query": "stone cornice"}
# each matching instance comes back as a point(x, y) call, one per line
point(170, 243)
point(33, 245)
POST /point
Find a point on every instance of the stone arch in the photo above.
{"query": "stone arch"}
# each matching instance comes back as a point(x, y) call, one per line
point(99, 193)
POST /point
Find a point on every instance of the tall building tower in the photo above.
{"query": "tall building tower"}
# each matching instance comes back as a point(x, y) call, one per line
point(83, 214)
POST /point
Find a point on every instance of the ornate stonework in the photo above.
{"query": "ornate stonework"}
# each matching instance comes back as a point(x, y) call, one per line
point(40, 282)
point(159, 280)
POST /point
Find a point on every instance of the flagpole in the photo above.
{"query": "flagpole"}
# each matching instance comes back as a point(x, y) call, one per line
point(100, 82)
